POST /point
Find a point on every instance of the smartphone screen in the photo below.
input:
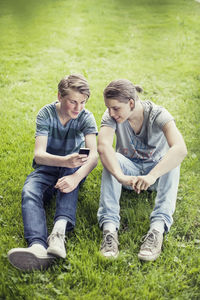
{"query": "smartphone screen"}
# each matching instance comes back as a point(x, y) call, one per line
point(84, 151)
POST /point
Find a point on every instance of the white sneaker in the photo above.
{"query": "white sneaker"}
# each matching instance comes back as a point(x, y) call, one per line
point(109, 246)
point(29, 259)
point(152, 246)
point(56, 242)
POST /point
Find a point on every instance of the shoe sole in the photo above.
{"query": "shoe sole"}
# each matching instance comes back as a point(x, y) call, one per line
point(110, 256)
point(148, 258)
point(55, 252)
point(27, 261)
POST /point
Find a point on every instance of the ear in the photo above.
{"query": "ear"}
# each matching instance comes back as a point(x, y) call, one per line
point(59, 96)
point(132, 104)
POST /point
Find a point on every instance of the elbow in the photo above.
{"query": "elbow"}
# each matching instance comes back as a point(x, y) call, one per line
point(95, 160)
point(101, 149)
point(183, 152)
point(37, 157)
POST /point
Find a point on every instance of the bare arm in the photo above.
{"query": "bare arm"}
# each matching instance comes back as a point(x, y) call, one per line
point(171, 159)
point(107, 153)
point(68, 183)
point(176, 152)
point(44, 158)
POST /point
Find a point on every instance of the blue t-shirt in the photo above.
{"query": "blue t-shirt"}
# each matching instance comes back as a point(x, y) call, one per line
point(64, 139)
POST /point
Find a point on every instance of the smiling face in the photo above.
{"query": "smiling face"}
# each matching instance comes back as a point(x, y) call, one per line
point(119, 111)
point(72, 104)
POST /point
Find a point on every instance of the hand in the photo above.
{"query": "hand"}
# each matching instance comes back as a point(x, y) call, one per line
point(67, 184)
point(138, 183)
point(128, 180)
point(75, 160)
point(144, 182)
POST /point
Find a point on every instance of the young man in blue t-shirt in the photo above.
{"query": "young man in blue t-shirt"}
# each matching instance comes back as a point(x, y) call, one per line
point(62, 128)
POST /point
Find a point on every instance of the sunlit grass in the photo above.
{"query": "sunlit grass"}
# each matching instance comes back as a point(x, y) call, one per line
point(154, 44)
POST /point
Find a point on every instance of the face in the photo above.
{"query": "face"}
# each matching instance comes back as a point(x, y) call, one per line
point(119, 111)
point(72, 104)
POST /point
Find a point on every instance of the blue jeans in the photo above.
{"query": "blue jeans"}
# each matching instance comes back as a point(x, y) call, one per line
point(39, 186)
point(166, 187)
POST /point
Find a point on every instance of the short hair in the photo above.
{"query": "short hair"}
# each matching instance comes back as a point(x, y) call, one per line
point(75, 82)
point(122, 90)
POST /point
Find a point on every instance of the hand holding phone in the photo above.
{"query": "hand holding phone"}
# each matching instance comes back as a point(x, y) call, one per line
point(84, 151)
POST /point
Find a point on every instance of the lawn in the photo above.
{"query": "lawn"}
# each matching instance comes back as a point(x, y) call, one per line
point(154, 43)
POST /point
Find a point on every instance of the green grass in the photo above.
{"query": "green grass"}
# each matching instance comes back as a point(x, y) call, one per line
point(154, 44)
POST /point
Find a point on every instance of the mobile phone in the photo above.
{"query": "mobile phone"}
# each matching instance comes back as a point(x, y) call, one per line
point(84, 151)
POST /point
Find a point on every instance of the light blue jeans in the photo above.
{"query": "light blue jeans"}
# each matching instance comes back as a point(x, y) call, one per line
point(166, 187)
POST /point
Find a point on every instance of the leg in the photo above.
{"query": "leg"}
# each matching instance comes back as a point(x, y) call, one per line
point(66, 204)
point(109, 207)
point(165, 201)
point(34, 218)
point(35, 257)
point(161, 217)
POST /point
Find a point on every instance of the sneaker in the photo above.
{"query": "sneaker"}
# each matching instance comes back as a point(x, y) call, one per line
point(151, 247)
point(109, 246)
point(29, 259)
point(56, 242)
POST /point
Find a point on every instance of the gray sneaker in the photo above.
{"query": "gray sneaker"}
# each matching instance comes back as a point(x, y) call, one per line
point(56, 242)
point(109, 246)
point(151, 247)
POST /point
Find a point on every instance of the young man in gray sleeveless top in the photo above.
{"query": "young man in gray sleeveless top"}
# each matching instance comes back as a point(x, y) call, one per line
point(149, 151)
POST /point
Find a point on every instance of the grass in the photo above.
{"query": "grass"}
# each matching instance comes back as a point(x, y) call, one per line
point(154, 44)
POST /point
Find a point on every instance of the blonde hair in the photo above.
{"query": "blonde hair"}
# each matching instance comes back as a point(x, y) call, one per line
point(73, 82)
point(122, 90)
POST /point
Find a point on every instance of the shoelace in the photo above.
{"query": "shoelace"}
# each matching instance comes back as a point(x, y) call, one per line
point(149, 239)
point(108, 240)
point(58, 235)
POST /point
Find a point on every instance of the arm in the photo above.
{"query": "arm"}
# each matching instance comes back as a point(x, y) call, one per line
point(108, 157)
point(68, 183)
point(44, 158)
point(171, 159)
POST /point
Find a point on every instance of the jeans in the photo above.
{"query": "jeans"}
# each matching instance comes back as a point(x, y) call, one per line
point(166, 187)
point(38, 186)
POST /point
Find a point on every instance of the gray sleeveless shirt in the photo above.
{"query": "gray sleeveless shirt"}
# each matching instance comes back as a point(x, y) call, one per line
point(150, 144)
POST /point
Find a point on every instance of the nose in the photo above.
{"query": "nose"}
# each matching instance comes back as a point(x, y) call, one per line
point(78, 106)
point(111, 113)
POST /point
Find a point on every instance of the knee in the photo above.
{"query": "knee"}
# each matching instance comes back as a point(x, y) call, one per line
point(29, 194)
point(26, 191)
point(121, 159)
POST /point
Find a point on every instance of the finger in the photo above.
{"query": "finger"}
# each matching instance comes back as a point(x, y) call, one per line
point(66, 189)
point(146, 187)
point(139, 184)
point(84, 159)
point(59, 181)
point(74, 155)
point(133, 185)
point(83, 155)
point(142, 186)
point(62, 185)
point(136, 190)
